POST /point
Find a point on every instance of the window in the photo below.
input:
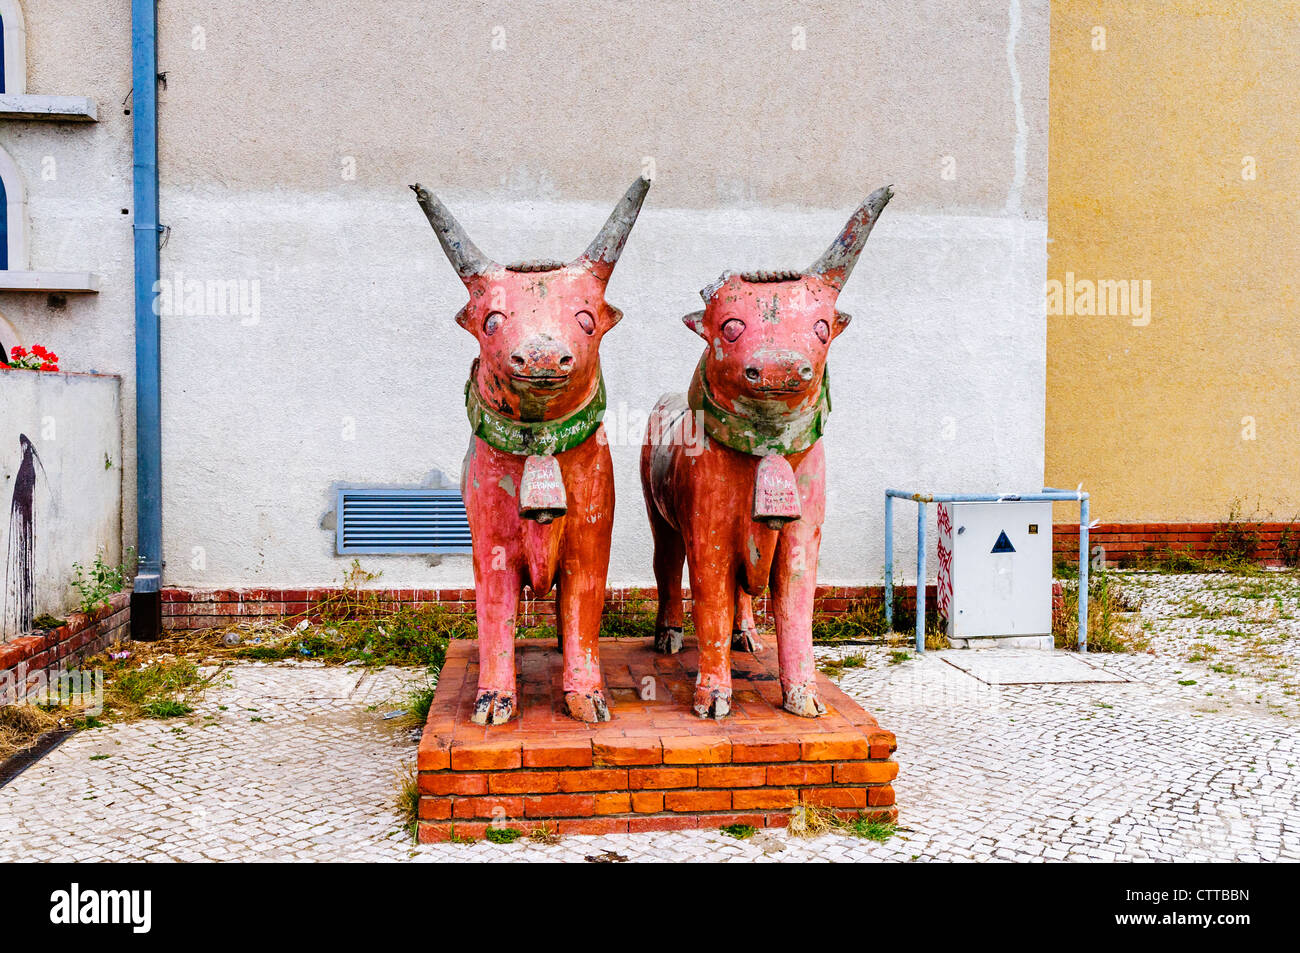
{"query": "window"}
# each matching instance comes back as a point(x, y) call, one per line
point(13, 222)
point(13, 49)
point(16, 104)
point(4, 230)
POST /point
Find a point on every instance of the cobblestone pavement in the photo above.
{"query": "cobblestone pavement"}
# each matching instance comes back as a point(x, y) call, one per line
point(1179, 761)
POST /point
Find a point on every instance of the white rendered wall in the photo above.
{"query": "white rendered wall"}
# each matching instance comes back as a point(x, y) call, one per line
point(287, 138)
point(352, 370)
point(73, 422)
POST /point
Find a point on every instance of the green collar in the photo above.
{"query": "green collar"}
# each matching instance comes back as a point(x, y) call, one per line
point(544, 437)
point(784, 434)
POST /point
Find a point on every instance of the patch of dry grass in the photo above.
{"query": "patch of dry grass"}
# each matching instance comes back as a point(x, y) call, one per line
point(22, 725)
point(809, 820)
point(544, 835)
point(149, 680)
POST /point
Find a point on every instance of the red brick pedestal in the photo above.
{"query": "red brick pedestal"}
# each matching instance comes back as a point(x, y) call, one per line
point(655, 766)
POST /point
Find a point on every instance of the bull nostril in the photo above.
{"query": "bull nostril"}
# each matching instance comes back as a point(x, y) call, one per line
point(806, 371)
point(566, 361)
point(517, 360)
point(752, 374)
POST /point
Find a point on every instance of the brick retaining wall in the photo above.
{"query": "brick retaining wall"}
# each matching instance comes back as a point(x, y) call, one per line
point(189, 609)
point(30, 660)
point(1129, 544)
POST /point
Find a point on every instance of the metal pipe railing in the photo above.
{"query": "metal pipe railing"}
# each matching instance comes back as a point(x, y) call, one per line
point(1048, 495)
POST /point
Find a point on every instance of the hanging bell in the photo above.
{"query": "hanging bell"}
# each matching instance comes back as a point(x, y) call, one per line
point(776, 496)
point(541, 489)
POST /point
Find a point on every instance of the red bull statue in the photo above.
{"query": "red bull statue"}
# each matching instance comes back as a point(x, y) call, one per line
point(537, 480)
point(745, 509)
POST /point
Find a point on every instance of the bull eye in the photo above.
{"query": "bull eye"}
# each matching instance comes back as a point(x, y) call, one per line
point(493, 321)
point(733, 329)
point(587, 321)
point(823, 331)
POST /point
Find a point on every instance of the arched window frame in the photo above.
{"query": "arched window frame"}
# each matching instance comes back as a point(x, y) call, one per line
point(15, 101)
point(15, 47)
point(8, 337)
point(15, 212)
point(16, 104)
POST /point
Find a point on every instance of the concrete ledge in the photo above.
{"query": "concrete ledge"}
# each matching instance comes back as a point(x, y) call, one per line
point(1044, 642)
point(54, 108)
point(75, 282)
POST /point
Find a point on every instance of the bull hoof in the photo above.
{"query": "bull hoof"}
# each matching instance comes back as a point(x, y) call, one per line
point(802, 700)
point(589, 708)
point(668, 641)
point(713, 702)
point(493, 708)
point(746, 640)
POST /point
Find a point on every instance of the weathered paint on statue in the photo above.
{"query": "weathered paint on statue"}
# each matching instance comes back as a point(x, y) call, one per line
point(745, 510)
point(537, 480)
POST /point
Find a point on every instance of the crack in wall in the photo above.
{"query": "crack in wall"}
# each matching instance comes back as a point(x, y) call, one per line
point(1015, 194)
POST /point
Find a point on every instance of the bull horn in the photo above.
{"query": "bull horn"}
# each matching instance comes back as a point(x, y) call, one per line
point(459, 248)
point(602, 254)
point(836, 263)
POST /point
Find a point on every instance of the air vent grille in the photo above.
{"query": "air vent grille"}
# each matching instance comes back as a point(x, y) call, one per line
point(402, 522)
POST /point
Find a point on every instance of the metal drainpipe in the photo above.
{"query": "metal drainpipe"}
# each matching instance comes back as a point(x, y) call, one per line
point(146, 598)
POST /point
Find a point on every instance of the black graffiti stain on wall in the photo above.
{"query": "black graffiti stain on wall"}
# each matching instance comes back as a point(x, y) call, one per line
point(20, 579)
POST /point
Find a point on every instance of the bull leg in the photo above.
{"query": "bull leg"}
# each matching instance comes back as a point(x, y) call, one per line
point(794, 584)
point(713, 600)
point(496, 601)
point(581, 601)
point(744, 635)
point(583, 569)
point(669, 555)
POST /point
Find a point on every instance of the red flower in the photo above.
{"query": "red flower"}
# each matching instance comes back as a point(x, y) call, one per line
point(39, 358)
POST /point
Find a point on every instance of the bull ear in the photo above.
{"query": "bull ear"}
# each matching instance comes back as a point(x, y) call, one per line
point(695, 321)
point(460, 250)
point(840, 324)
point(836, 263)
point(602, 254)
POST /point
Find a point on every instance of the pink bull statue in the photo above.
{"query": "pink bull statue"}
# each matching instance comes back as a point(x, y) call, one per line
point(537, 480)
point(745, 510)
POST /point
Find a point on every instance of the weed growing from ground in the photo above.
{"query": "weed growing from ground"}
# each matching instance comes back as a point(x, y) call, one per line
point(739, 831)
point(96, 584)
point(1111, 625)
point(835, 667)
point(407, 799)
point(503, 835)
point(808, 820)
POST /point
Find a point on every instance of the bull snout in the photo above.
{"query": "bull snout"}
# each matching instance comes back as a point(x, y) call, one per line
point(541, 360)
point(779, 371)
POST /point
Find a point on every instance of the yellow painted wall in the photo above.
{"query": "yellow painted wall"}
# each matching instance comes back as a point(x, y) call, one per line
point(1148, 143)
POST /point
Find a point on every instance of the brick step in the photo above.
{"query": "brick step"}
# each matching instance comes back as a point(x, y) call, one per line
point(655, 765)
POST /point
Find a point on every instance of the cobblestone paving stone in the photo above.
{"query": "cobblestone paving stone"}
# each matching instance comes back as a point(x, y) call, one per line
point(295, 762)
